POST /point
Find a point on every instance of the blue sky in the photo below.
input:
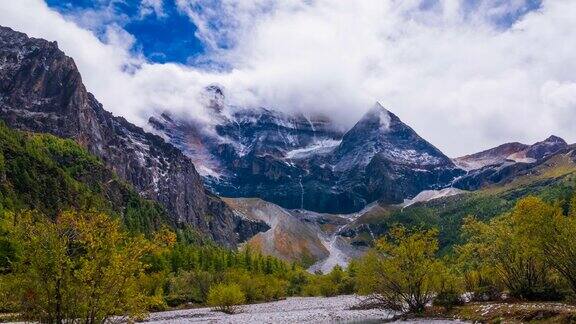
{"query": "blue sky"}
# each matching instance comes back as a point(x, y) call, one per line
point(166, 38)
point(171, 36)
point(507, 18)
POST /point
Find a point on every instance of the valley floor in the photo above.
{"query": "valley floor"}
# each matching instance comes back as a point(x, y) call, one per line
point(291, 310)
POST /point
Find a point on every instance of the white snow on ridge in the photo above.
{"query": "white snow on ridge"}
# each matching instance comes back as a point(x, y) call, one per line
point(411, 156)
point(520, 157)
point(428, 195)
point(319, 147)
point(206, 171)
point(470, 165)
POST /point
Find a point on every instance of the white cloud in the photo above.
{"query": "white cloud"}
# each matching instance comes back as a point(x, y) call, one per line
point(148, 7)
point(446, 69)
point(125, 84)
point(461, 81)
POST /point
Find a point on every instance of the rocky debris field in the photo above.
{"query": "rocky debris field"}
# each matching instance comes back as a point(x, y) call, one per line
point(291, 310)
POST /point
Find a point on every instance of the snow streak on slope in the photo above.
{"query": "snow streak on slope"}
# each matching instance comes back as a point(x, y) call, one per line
point(428, 195)
point(317, 147)
point(336, 247)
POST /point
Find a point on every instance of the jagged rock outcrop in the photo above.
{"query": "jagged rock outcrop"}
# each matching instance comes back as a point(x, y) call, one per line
point(41, 90)
point(258, 153)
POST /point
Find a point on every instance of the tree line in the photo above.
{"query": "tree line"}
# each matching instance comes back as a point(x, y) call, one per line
point(526, 254)
point(88, 267)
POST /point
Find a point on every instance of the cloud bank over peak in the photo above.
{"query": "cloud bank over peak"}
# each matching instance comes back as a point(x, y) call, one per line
point(489, 71)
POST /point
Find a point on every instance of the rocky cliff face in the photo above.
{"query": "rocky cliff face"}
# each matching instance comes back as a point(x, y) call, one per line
point(41, 90)
point(258, 152)
point(304, 162)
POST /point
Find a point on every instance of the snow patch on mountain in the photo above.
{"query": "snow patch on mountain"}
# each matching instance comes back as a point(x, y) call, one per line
point(479, 163)
point(521, 157)
point(319, 147)
point(511, 152)
point(428, 195)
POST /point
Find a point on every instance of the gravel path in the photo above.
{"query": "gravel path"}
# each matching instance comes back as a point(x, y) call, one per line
point(291, 310)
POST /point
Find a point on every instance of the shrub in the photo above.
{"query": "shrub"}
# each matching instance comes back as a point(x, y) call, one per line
point(449, 291)
point(448, 300)
point(336, 282)
point(403, 273)
point(555, 236)
point(509, 250)
point(189, 286)
point(483, 288)
point(226, 298)
point(152, 285)
point(257, 287)
point(83, 266)
point(320, 285)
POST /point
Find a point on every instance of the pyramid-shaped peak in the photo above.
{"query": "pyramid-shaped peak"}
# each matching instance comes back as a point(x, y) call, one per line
point(548, 147)
point(555, 139)
point(382, 133)
point(378, 109)
point(378, 116)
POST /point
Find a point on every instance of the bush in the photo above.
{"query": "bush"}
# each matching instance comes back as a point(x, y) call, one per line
point(555, 236)
point(449, 291)
point(320, 285)
point(152, 285)
point(337, 282)
point(509, 250)
point(189, 286)
point(403, 273)
point(83, 266)
point(448, 300)
point(257, 287)
point(482, 287)
point(226, 298)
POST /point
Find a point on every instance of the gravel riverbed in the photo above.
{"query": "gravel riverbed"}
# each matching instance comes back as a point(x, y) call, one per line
point(291, 310)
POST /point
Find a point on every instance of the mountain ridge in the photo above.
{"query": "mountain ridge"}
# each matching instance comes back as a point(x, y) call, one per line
point(505, 162)
point(41, 90)
point(309, 163)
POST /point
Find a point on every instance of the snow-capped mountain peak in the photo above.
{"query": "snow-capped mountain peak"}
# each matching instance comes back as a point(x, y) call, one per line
point(379, 114)
point(298, 161)
point(380, 132)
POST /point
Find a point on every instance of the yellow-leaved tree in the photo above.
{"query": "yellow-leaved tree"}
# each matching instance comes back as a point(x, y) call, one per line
point(509, 250)
point(553, 233)
point(82, 266)
point(403, 272)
